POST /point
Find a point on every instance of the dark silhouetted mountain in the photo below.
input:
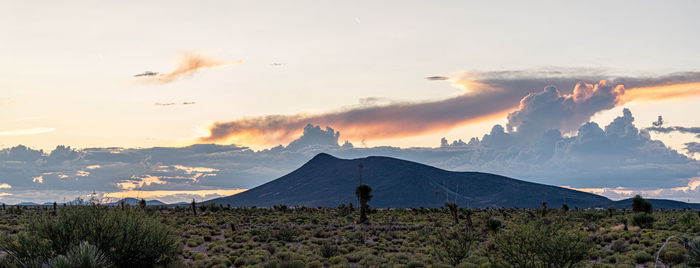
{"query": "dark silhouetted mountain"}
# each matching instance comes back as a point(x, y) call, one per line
point(655, 203)
point(27, 204)
point(135, 202)
point(329, 181)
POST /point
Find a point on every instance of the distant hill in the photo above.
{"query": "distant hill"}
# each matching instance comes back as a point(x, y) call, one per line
point(329, 181)
point(135, 202)
point(27, 204)
point(656, 204)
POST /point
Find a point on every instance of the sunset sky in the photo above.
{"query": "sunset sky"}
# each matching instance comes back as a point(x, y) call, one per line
point(383, 73)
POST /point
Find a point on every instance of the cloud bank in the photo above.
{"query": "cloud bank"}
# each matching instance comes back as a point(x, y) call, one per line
point(616, 160)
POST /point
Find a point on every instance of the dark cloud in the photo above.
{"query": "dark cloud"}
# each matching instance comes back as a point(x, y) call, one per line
point(174, 103)
point(693, 147)
point(437, 78)
point(688, 130)
point(659, 122)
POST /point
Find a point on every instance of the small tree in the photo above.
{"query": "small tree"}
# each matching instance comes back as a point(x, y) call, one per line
point(364, 195)
point(142, 203)
point(640, 204)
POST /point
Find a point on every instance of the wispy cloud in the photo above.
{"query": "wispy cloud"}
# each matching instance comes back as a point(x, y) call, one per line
point(174, 103)
point(27, 131)
point(188, 64)
point(437, 78)
point(138, 182)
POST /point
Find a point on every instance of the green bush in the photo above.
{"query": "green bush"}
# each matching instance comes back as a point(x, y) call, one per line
point(539, 244)
point(642, 257)
point(129, 237)
point(287, 234)
point(643, 220)
point(494, 224)
point(328, 249)
point(453, 245)
point(618, 245)
point(673, 254)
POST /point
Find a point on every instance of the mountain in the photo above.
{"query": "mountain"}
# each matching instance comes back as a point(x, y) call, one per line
point(27, 204)
point(655, 203)
point(135, 202)
point(329, 181)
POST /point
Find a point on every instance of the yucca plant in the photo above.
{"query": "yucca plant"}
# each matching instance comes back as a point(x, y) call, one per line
point(83, 255)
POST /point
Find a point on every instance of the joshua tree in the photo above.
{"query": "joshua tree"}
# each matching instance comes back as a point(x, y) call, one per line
point(54, 208)
point(544, 208)
point(194, 207)
point(142, 203)
point(364, 195)
point(611, 210)
point(454, 211)
point(469, 218)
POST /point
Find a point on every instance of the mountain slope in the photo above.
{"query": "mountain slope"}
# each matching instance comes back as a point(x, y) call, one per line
point(329, 181)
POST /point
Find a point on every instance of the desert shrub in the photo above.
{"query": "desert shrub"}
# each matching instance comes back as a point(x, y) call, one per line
point(541, 245)
point(642, 257)
point(494, 224)
point(415, 264)
point(129, 238)
point(328, 249)
point(287, 234)
point(453, 245)
point(618, 246)
point(673, 254)
point(689, 219)
point(84, 255)
point(292, 264)
point(643, 220)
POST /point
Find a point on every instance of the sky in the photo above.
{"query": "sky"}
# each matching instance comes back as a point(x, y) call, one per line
point(391, 77)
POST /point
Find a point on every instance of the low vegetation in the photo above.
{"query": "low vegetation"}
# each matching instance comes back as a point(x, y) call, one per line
point(220, 236)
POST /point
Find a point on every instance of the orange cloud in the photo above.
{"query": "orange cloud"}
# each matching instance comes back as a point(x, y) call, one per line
point(188, 64)
point(662, 92)
point(159, 194)
point(374, 122)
